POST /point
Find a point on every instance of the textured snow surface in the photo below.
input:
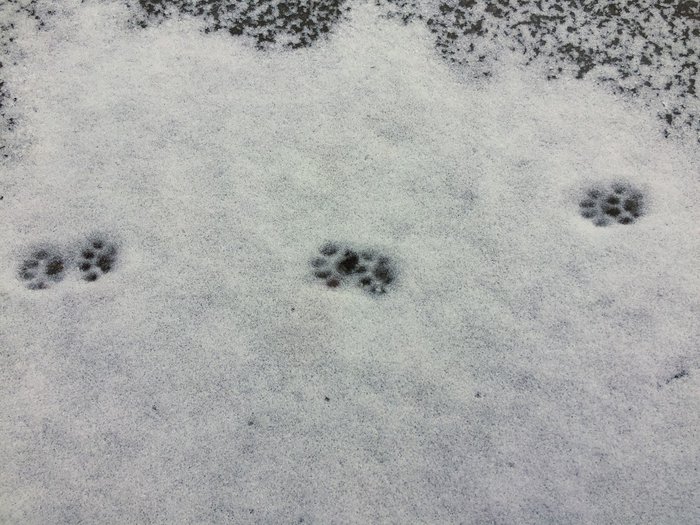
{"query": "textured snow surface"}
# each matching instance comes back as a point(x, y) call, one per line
point(523, 366)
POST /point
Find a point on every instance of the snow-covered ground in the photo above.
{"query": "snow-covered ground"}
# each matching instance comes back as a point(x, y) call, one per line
point(524, 366)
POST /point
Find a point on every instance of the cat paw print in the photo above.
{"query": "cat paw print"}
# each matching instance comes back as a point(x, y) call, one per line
point(338, 264)
point(97, 257)
point(42, 269)
point(619, 203)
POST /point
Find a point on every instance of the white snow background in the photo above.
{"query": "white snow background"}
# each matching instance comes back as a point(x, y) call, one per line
point(522, 370)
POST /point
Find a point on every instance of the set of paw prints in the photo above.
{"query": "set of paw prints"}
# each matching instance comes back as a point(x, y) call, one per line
point(47, 266)
point(338, 264)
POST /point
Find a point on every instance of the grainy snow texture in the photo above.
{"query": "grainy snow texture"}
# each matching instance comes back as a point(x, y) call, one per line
point(518, 355)
point(642, 48)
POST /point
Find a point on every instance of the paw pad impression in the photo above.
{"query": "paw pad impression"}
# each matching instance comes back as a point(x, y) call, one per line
point(45, 267)
point(339, 264)
point(97, 257)
point(620, 204)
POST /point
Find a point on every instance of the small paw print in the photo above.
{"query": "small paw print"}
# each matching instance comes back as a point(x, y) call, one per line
point(97, 257)
point(338, 264)
point(42, 269)
point(620, 203)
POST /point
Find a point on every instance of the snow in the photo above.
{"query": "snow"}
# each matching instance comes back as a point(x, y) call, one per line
point(521, 370)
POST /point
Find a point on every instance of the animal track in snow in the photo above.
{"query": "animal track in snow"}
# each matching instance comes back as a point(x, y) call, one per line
point(620, 204)
point(339, 264)
point(97, 257)
point(43, 268)
point(46, 266)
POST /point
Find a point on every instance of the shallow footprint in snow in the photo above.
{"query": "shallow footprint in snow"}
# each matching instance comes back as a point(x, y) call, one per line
point(620, 203)
point(338, 264)
point(43, 268)
point(97, 257)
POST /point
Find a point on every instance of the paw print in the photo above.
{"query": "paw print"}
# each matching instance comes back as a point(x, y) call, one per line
point(339, 264)
point(42, 269)
point(620, 203)
point(97, 257)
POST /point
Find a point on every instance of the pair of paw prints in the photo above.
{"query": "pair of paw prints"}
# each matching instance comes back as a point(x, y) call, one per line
point(619, 203)
point(338, 265)
point(47, 266)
